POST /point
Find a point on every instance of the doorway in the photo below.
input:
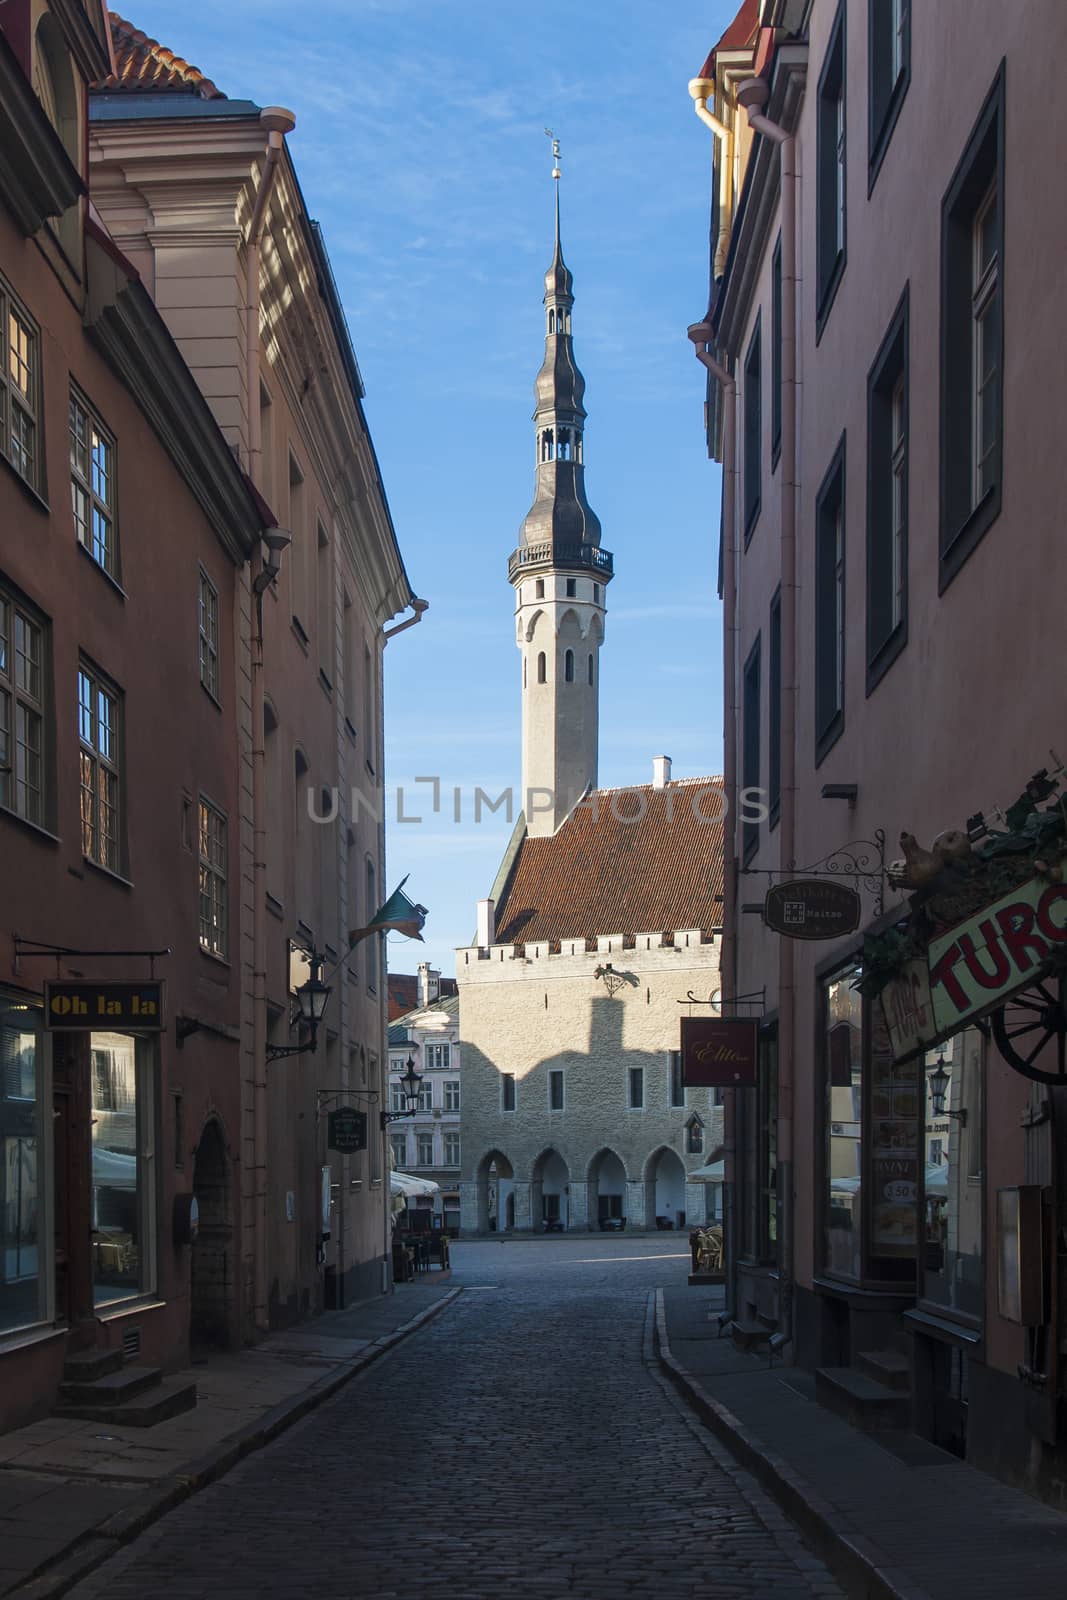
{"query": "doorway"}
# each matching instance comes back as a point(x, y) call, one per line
point(212, 1268)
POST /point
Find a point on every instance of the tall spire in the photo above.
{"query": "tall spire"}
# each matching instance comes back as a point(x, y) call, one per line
point(560, 575)
point(561, 526)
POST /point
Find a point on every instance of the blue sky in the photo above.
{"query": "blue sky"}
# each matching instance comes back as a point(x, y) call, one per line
point(420, 148)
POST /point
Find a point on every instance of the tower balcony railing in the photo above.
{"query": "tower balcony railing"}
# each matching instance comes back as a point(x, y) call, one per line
point(589, 557)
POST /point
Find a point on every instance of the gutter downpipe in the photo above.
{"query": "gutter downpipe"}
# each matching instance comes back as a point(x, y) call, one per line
point(753, 95)
point(701, 334)
point(278, 123)
point(702, 90)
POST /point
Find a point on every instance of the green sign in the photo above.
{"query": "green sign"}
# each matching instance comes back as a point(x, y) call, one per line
point(72, 1006)
point(346, 1130)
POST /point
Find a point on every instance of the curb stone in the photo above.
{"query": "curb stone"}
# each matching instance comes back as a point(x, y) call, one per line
point(865, 1569)
point(100, 1543)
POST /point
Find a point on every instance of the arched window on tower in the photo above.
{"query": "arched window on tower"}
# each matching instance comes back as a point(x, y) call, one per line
point(541, 673)
point(539, 588)
point(546, 444)
point(590, 666)
point(568, 667)
point(563, 453)
point(577, 446)
point(551, 322)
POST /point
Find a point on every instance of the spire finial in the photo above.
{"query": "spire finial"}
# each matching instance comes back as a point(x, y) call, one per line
point(555, 176)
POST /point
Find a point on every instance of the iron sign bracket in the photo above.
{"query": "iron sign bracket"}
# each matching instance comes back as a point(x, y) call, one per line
point(862, 861)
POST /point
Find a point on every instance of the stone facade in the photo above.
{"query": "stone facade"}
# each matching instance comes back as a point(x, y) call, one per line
point(531, 1014)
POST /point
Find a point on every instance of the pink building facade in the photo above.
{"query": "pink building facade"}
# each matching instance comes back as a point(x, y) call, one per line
point(883, 340)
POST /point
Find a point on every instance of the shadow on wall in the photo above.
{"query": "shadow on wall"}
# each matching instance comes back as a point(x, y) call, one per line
point(633, 1179)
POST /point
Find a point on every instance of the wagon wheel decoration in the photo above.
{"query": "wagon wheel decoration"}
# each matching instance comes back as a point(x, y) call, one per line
point(1033, 1019)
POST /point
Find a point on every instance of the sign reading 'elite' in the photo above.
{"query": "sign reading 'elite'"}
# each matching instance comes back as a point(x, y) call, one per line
point(719, 1052)
point(70, 1006)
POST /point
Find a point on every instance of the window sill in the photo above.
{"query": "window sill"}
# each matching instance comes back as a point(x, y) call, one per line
point(143, 1300)
point(34, 827)
point(215, 701)
point(352, 734)
point(776, 453)
point(26, 486)
point(107, 872)
point(325, 685)
point(276, 908)
point(883, 658)
point(950, 1327)
point(829, 294)
point(25, 1338)
point(968, 537)
point(108, 579)
point(216, 960)
point(298, 632)
point(752, 522)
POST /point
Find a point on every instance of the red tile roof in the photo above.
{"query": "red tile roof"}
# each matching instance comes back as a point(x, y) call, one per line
point(741, 33)
point(403, 992)
point(144, 65)
point(601, 873)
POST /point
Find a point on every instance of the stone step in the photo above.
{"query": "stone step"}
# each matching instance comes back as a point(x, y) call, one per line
point(748, 1335)
point(862, 1401)
point(110, 1390)
point(156, 1404)
point(85, 1365)
point(886, 1366)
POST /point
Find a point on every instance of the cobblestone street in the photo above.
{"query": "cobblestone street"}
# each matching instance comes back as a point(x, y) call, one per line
point(521, 1444)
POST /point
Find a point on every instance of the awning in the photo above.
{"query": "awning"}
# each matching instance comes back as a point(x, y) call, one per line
point(113, 1170)
point(404, 1184)
point(713, 1172)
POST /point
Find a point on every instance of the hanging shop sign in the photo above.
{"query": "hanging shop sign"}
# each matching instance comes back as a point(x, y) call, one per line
point(346, 1130)
point(719, 1052)
point(70, 1006)
point(977, 965)
point(812, 908)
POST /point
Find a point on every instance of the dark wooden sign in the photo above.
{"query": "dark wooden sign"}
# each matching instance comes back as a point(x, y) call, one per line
point(73, 1005)
point(719, 1052)
point(812, 908)
point(346, 1130)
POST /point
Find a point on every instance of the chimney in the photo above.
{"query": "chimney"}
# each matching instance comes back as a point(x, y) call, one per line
point(661, 771)
point(429, 984)
point(486, 923)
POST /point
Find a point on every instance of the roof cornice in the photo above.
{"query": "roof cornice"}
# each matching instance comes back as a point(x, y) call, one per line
point(759, 201)
point(125, 325)
point(37, 178)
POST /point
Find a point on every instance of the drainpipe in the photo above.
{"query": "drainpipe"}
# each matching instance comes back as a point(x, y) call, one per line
point(701, 335)
point(278, 122)
point(753, 95)
point(703, 90)
point(418, 606)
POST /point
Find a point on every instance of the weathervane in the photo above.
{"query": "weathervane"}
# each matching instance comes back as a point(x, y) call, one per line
point(555, 153)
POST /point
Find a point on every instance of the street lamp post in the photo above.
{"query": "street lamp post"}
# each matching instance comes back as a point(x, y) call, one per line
point(411, 1082)
point(311, 998)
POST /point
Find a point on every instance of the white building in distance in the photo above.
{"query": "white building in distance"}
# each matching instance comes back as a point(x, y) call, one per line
point(602, 929)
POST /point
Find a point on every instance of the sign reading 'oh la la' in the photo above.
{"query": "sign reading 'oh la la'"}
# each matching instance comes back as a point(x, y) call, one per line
point(74, 1005)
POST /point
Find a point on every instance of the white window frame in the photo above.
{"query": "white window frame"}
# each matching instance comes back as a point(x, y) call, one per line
point(452, 1095)
point(425, 1096)
point(20, 389)
point(422, 1141)
point(438, 1057)
point(208, 626)
point(452, 1144)
point(397, 1098)
point(93, 465)
point(398, 1146)
point(985, 287)
point(214, 866)
point(23, 710)
point(101, 764)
